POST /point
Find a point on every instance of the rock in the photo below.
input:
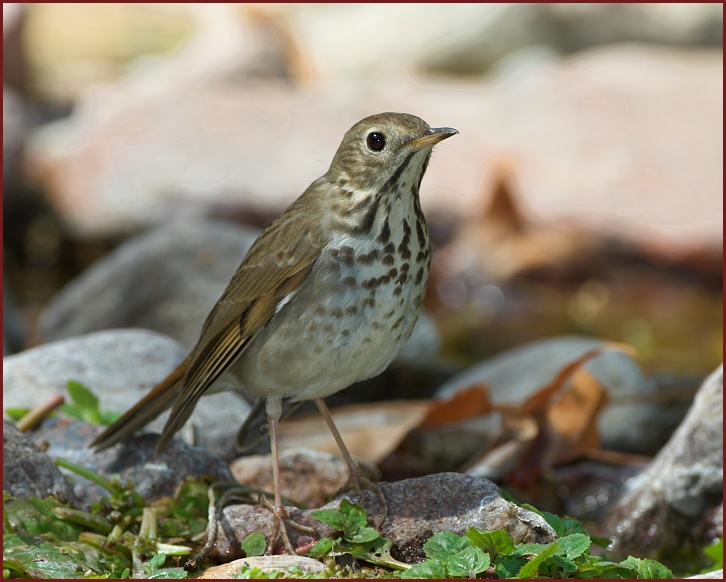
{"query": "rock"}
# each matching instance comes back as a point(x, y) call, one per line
point(134, 460)
point(715, 575)
point(120, 367)
point(268, 564)
point(443, 502)
point(567, 28)
point(665, 510)
point(29, 472)
point(166, 280)
point(626, 426)
point(310, 478)
point(558, 116)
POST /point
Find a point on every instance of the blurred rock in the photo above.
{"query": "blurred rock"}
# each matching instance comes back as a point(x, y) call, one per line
point(308, 477)
point(568, 28)
point(634, 420)
point(602, 110)
point(15, 326)
point(153, 476)
point(119, 366)
point(443, 502)
point(29, 472)
point(166, 280)
point(666, 512)
point(267, 564)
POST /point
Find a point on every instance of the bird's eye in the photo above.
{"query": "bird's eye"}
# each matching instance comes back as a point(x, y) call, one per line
point(376, 141)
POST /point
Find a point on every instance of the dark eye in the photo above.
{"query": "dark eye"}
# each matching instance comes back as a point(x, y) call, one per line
point(376, 141)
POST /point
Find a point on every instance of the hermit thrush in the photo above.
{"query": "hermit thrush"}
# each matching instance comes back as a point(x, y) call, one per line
point(327, 295)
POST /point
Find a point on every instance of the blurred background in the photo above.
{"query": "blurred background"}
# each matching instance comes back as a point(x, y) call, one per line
point(583, 195)
point(146, 145)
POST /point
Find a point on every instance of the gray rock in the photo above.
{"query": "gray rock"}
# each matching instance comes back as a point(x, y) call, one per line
point(546, 121)
point(668, 508)
point(417, 509)
point(120, 367)
point(166, 280)
point(134, 460)
point(511, 377)
point(567, 28)
point(29, 472)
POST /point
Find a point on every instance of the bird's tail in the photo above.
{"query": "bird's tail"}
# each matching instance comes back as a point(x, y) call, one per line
point(161, 397)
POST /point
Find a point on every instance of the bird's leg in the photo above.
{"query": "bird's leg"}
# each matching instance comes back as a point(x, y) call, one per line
point(278, 509)
point(356, 480)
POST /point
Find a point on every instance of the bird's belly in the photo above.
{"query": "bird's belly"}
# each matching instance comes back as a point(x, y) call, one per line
point(346, 323)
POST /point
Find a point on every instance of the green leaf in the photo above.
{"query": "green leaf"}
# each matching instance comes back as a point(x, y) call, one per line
point(531, 549)
point(16, 414)
point(496, 543)
point(157, 561)
point(444, 544)
point(715, 553)
point(36, 517)
point(84, 401)
point(509, 566)
point(254, 544)
point(362, 535)
point(646, 568)
point(563, 564)
point(355, 514)
point(574, 545)
point(322, 548)
point(556, 522)
point(428, 569)
point(531, 568)
point(468, 562)
point(169, 574)
point(331, 517)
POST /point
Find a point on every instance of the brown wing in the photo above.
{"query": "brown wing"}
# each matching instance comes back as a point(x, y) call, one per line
point(262, 281)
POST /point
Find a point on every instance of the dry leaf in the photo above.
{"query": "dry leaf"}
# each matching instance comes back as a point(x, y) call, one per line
point(370, 431)
point(467, 403)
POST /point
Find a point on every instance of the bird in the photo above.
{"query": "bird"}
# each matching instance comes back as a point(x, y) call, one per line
point(326, 296)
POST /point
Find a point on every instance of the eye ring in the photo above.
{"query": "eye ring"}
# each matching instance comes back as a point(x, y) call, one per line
point(376, 141)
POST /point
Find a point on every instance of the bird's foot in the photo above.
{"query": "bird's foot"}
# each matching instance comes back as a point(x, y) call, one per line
point(279, 527)
point(357, 482)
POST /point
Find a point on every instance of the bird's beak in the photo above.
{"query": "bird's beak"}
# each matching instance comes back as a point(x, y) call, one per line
point(434, 136)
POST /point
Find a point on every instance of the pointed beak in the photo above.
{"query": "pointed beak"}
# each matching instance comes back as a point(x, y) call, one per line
point(435, 135)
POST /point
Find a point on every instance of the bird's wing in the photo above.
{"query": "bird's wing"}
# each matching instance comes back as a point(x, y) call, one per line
point(263, 281)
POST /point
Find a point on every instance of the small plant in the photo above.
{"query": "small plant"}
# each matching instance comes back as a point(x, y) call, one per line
point(480, 553)
point(357, 538)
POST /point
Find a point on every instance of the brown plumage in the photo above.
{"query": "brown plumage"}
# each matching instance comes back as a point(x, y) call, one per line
point(326, 296)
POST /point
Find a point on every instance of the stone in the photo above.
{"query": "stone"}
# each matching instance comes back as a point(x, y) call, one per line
point(153, 476)
point(166, 280)
point(308, 477)
point(667, 509)
point(600, 108)
point(417, 509)
point(29, 472)
point(516, 374)
point(120, 366)
point(268, 564)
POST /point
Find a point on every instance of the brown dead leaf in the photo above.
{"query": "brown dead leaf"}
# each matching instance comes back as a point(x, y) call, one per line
point(567, 415)
point(519, 432)
point(572, 418)
point(467, 403)
point(370, 431)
